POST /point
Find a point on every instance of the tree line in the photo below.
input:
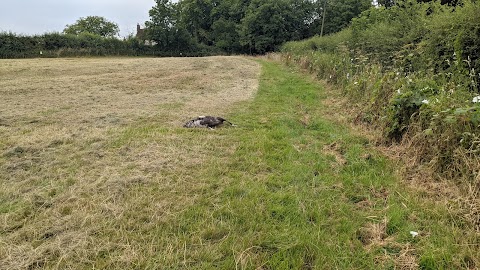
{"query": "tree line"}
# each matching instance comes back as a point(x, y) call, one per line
point(245, 26)
point(251, 26)
point(199, 28)
point(194, 28)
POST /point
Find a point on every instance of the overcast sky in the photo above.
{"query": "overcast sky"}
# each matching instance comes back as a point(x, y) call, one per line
point(37, 17)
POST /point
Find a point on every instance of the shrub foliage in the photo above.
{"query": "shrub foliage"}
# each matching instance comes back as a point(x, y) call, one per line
point(415, 69)
point(86, 44)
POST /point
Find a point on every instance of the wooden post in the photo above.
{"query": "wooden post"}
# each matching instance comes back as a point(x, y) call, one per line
point(324, 11)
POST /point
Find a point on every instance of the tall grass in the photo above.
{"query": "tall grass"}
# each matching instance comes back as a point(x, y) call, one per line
point(414, 69)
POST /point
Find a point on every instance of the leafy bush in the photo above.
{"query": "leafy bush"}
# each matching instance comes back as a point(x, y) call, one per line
point(403, 105)
point(87, 44)
point(452, 45)
point(56, 45)
point(414, 68)
point(323, 44)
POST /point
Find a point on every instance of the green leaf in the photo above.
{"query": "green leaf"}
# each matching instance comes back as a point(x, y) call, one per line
point(428, 132)
point(451, 119)
point(461, 111)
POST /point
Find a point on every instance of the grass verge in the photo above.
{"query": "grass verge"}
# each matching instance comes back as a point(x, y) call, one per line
point(286, 189)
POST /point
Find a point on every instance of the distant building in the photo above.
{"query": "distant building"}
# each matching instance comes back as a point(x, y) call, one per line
point(140, 32)
point(141, 36)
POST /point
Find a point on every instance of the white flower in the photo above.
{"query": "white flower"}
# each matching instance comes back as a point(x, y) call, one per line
point(425, 101)
point(399, 92)
point(355, 83)
point(476, 99)
point(413, 233)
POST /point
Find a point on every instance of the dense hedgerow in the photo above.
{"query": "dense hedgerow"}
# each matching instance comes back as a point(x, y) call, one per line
point(85, 44)
point(415, 69)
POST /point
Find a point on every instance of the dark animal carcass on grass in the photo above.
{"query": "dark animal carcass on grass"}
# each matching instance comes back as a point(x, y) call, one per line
point(206, 122)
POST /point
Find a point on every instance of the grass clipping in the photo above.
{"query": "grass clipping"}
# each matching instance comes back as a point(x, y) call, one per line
point(80, 137)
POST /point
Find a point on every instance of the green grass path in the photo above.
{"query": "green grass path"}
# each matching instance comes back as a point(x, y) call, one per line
point(301, 192)
point(296, 191)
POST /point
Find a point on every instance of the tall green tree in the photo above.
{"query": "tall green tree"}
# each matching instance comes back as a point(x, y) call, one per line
point(196, 17)
point(225, 35)
point(227, 17)
point(246, 26)
point(339, 13)
point(94, 25)
point(165, 29)
point(269, 23)
point(386, 3)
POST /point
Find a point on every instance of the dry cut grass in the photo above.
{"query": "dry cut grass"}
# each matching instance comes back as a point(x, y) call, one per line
point(92, 159)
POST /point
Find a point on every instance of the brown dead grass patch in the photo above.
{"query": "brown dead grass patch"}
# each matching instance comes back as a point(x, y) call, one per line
point(93, 159)
point(335, 149)
point(374, 236)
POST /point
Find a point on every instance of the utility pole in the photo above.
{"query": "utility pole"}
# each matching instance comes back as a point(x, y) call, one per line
point(324, 13)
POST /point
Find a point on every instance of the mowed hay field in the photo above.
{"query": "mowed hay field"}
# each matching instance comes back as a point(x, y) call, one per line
point(92, 150)
point(97, 172)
